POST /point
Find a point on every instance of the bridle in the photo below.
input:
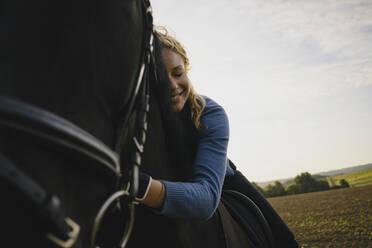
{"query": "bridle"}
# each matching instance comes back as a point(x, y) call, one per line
point(36, 122)
point(141, 95)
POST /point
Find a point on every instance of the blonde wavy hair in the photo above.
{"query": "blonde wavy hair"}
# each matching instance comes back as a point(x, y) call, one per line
point(196, 101)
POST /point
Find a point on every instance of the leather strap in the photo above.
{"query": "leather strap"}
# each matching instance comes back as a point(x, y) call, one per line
point(139, 103)
point(23, 117)
point(48, 206)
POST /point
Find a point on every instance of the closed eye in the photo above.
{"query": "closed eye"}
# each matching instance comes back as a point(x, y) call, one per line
point(178, 74)
point(178, 71)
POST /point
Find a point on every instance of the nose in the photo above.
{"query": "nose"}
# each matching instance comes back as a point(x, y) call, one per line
point(173, 85)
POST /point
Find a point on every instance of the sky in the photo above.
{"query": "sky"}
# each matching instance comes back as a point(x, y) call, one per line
point(294, 76)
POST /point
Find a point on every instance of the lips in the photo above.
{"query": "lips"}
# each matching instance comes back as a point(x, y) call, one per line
point(176, 96)
point(178, 93)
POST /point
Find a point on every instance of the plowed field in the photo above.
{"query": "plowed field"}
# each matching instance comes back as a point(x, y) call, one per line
point(334, 218)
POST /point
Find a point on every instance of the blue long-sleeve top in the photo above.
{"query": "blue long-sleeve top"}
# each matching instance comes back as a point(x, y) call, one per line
point(199, 198)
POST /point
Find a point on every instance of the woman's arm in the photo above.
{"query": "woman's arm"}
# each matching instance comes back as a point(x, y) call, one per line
point(198, 198)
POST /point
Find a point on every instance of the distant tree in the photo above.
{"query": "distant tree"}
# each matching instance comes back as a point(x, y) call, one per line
point(293, 189)
point(322, 185)
point(269, 190)
point(259, 188)
point(279, 189)
point(306, 182)
point(344, 183)
point(275, 190)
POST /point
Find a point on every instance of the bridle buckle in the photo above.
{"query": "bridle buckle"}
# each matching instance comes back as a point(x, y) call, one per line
point(73, 235)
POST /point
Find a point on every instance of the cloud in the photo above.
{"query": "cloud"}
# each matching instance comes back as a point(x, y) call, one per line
point(326, 41)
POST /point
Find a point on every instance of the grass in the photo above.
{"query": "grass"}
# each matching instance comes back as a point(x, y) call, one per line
point(335, 218)
point(355, 179)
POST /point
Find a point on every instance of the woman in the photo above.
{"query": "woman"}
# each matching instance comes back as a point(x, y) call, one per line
point(199, 198)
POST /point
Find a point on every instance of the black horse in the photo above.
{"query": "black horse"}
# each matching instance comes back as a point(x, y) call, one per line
point(80, 61)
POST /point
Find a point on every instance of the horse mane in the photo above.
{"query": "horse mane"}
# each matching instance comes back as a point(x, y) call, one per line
point(181, 135)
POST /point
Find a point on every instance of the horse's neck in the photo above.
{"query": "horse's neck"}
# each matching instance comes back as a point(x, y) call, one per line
point(174, 138)
point(64, 87)
point(83, 110)
point(156, 157)
point(75, 62)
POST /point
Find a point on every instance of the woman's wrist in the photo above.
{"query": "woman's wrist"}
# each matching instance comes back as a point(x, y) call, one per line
point(155, 195)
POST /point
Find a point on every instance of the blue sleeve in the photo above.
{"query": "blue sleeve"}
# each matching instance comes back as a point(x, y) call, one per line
point(199, 198)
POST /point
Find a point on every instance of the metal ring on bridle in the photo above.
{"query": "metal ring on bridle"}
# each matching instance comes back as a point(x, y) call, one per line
point(101, 213)
point(149, 10)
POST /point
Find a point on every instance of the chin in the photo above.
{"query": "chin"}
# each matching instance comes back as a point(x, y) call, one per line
point(179, 106)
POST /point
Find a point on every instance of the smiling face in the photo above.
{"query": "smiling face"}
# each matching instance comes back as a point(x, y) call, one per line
point(180, 83)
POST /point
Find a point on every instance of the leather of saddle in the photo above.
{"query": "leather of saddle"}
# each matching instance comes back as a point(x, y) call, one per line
point(234, 234)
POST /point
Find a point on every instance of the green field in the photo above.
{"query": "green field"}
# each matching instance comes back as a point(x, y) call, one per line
point(355, 179)
point(335, 218)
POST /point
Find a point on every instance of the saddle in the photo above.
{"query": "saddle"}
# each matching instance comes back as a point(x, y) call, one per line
point(243, 223)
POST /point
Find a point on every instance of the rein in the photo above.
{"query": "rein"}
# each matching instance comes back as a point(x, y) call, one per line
point(41, 124)
point(65, 230)
point(15, 115)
